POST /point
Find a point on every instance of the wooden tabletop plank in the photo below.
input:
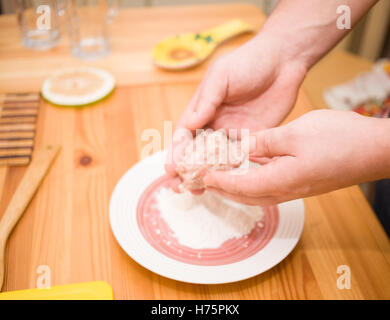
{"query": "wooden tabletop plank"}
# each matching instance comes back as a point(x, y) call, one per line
point(66, 226)
point(134, 33)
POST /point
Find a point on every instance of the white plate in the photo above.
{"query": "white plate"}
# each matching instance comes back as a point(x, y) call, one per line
point(124, 224)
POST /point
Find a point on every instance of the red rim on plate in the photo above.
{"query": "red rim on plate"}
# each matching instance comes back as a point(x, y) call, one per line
point(157, 233)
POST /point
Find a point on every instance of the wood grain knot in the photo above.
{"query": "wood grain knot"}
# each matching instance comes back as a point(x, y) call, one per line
point(85, 160)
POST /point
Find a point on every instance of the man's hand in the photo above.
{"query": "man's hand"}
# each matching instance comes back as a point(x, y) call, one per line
point(240, 91)
point(321, 151)
point(255, 86)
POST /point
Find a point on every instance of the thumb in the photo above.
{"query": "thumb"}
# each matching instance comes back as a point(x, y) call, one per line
point(267, 143)
point(181, 138)
point(255, 182)
point(208, 98)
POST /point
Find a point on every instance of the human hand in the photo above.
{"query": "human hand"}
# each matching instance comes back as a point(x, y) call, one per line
point(321, 151)
point(253, 87)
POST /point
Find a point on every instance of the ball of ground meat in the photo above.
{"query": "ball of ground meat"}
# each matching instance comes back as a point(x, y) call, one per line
point(208, 151)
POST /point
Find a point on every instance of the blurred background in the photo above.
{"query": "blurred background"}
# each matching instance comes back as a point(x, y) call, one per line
point(369, 39)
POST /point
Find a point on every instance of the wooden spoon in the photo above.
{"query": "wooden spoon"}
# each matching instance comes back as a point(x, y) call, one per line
point(187, 50)
point(25, 191)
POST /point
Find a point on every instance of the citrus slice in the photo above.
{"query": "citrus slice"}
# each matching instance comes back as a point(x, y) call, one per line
point(78, 86)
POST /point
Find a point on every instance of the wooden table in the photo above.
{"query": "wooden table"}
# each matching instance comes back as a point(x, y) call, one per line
point(66, 226)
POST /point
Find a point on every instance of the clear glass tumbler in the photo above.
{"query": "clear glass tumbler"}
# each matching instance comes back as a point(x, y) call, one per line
point(38, 23)
point(88, 23)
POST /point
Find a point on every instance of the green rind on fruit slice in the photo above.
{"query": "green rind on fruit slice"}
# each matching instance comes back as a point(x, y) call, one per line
point(55, 99)
point(79, 105)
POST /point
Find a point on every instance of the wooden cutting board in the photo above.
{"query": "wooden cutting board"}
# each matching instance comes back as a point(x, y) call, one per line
point(18, 115)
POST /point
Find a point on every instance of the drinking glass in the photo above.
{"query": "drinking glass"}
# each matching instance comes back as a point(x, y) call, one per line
point(39, 22)
point(88, 24)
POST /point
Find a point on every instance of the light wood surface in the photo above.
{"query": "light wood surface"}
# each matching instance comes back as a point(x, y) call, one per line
point(33, 177)
point(66, 226)
point(134, 33)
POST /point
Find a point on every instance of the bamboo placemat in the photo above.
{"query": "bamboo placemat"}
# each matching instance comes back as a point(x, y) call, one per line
point(18, 115)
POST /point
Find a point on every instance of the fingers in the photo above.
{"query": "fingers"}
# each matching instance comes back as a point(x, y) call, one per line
point(250, 201)
point(197, 192)
point(181, 138)
point(209, 97)
point(198, 113)
point(188, 111)
point(265, 144)
point(237, 184)
point(262, 160)
point(264, 181)
point(169, 164)
point(174, 184)
point(268, 143)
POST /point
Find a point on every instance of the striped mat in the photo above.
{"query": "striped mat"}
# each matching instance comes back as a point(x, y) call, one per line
point(18, 115)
